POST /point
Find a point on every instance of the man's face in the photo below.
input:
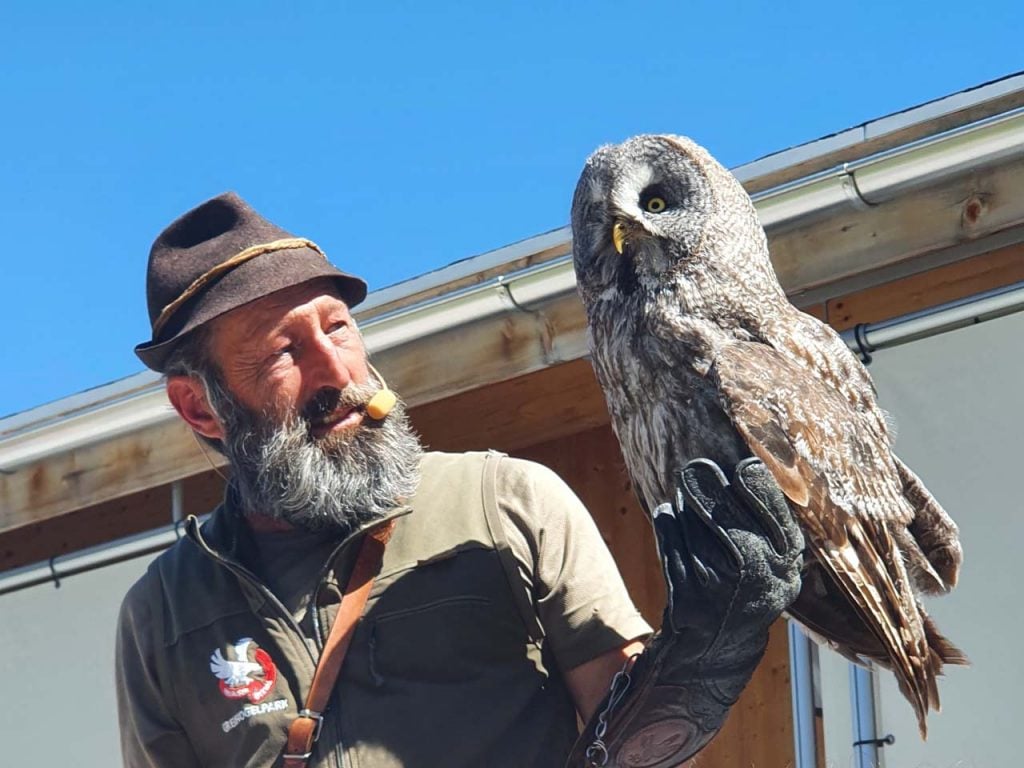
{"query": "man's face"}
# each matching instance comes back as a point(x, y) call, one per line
point(291, 398)
point(281, 354)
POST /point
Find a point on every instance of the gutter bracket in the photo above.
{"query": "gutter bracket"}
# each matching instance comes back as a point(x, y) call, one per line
point(848, 181)
point(885, 741)
point(860, 338)
point(544, 330)
point(53, 572)
point(504, 289)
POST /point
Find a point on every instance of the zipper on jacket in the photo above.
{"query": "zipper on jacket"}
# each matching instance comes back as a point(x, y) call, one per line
point(319, 638)
point(248, 576)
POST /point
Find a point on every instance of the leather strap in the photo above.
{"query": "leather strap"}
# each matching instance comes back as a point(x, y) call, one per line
point(305, 729)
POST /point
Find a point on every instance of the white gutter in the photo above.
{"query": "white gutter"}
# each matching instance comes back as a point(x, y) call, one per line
point(139, 401)
point(555, 240)
point(519, 290)
point(878, 179)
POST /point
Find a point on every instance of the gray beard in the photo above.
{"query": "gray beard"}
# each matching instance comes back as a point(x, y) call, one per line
point(336, 483)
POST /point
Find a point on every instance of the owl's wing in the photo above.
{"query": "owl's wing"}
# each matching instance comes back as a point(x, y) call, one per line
point(810, 436)
point(845, 490)
point(931, 543)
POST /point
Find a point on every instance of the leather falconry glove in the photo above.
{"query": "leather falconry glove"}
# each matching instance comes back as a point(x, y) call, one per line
point(731, 554)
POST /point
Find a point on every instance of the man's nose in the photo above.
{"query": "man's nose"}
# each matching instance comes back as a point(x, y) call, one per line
point(328, 366)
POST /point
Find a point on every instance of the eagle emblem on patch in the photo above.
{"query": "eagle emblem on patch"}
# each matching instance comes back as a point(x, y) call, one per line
point(251, 674)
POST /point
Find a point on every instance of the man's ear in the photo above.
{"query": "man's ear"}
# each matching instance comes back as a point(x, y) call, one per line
point(188, 396)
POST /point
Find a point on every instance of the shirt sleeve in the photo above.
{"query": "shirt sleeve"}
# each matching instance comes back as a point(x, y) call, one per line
point(575, 586)
point(150, 736)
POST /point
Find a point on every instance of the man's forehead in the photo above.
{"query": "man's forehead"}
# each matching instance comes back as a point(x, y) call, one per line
point(267, 313)
point(283, 302)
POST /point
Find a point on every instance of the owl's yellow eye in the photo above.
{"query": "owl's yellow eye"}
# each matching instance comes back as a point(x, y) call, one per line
point(656, 205)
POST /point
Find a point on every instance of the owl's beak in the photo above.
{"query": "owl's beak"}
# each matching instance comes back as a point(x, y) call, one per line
point(619, 233)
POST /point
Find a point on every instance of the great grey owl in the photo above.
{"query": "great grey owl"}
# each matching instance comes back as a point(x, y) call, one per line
point(700, 354)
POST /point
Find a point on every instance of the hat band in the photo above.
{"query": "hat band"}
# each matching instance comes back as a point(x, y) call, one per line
point(214, 272)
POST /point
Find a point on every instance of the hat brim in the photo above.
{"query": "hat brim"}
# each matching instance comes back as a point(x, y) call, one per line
point(252, 280)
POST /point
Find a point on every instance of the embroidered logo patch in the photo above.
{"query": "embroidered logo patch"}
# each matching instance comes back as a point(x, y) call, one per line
point(250, 674)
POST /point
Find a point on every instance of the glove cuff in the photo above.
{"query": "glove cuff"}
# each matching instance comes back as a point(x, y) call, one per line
point(666, 708)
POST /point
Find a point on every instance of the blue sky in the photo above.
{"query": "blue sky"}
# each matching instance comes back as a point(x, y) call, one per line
point(399, 136)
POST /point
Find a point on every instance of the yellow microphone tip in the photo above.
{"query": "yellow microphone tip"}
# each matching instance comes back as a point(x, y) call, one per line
point(380, 404)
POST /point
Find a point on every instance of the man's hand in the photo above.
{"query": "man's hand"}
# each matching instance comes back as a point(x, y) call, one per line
point(731, 554)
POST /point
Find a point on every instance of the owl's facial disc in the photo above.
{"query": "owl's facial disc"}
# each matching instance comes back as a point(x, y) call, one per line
point(631, 205)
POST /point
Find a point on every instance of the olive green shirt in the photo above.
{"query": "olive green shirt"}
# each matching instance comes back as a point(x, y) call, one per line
point(494, 583)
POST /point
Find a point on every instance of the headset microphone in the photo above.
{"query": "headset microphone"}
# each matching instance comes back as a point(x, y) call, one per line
point(383, 400)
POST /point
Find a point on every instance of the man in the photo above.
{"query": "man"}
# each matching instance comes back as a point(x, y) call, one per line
point(497, 615)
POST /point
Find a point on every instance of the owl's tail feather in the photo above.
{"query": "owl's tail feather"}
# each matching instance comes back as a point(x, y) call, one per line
point(941, 651)
point(831, 618)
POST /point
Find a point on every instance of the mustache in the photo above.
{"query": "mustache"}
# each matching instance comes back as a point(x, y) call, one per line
point(330, 400)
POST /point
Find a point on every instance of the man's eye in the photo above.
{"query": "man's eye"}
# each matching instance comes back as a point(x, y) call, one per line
point(287, 349)
point(339, 326)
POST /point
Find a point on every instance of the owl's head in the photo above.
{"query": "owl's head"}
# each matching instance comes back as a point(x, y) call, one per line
point(660, 209)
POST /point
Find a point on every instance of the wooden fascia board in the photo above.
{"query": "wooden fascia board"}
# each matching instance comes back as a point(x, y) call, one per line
point(857, 248)
point(513, 413)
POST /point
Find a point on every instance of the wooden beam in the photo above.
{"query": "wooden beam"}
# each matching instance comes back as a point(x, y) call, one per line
point(522, 411)
point(551, 403)
point(94, 474)
point(492, 350)
point(927, 289)
point(444, 365)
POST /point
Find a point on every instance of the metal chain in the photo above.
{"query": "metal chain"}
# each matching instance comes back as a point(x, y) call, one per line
point(597, 751)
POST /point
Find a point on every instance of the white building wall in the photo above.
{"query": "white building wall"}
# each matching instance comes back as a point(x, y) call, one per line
point(57, 702)
point(960, 415)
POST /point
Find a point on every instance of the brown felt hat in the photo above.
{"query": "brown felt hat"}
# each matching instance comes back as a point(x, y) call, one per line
point(218, 257)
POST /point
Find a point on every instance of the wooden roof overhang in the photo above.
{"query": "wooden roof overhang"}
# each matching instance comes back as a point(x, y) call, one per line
point(490, 351)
